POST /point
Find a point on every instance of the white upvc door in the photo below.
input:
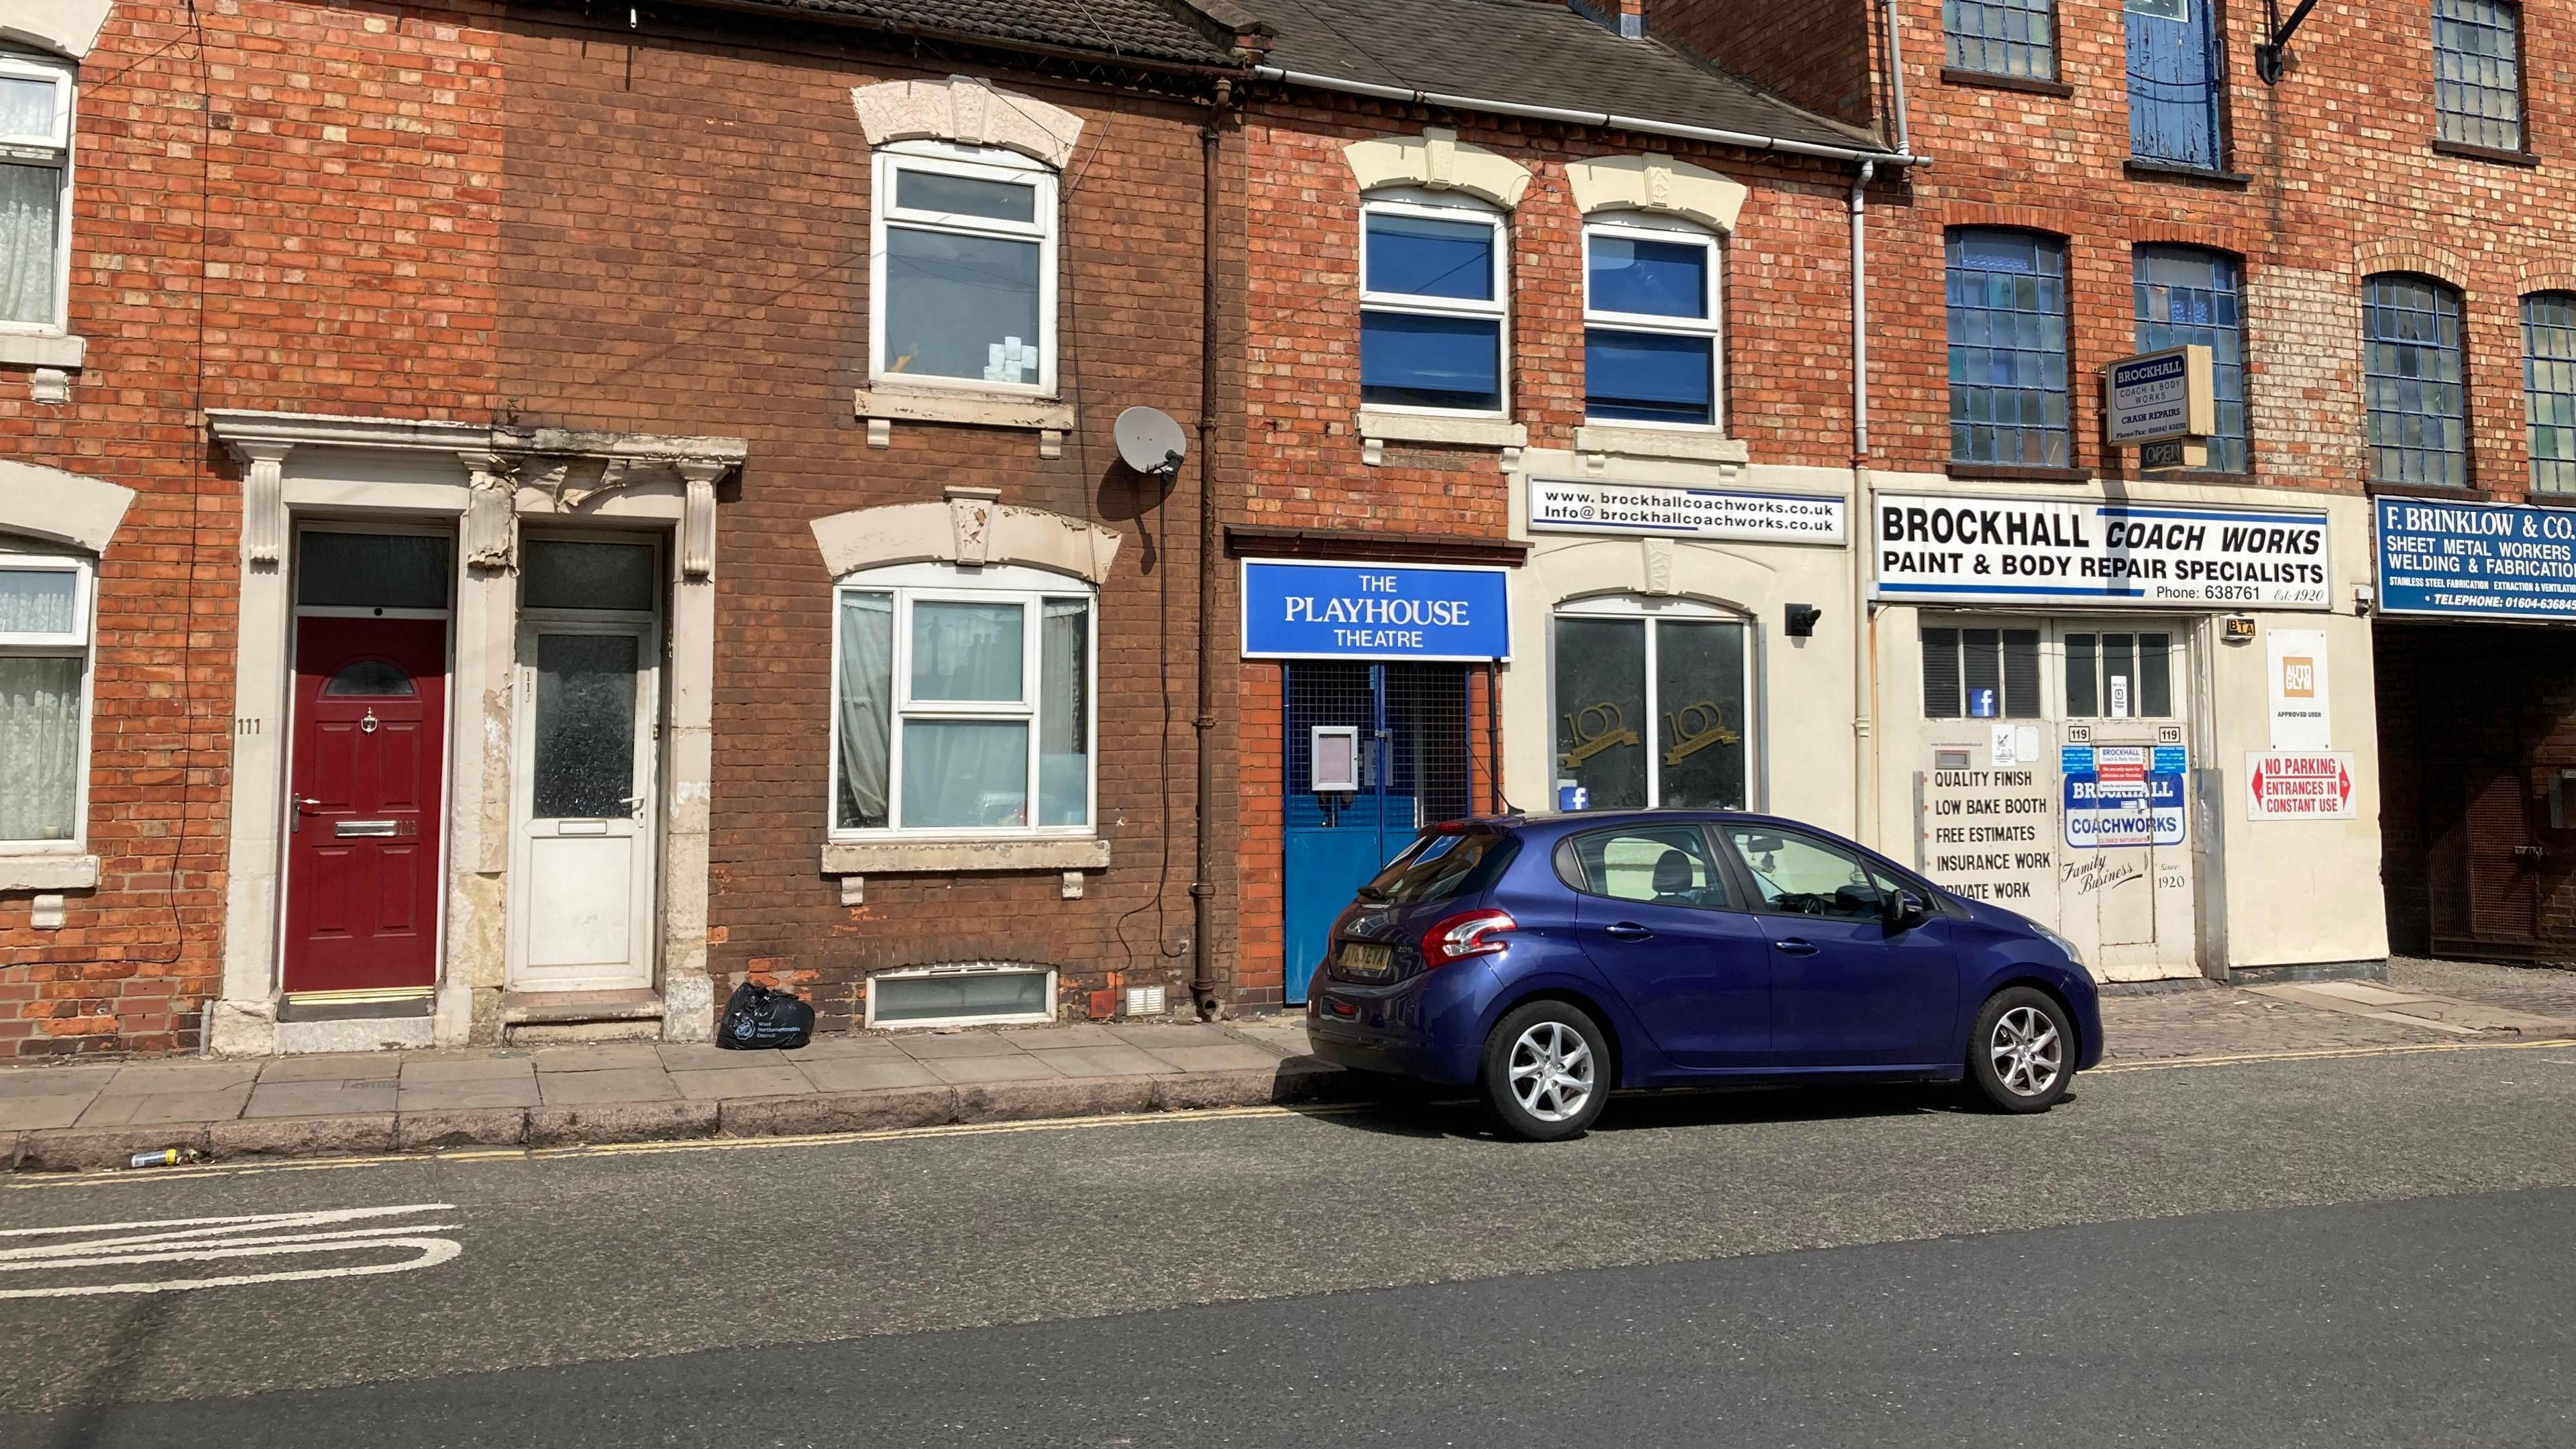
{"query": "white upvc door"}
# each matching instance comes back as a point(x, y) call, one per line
point(582, 861)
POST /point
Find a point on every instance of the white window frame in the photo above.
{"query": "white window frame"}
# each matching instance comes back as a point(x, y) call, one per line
point(53, 150)
point(1413, 201)
point(932, 582)
point(75, 644)
point(1630, 606)
point(978, 164)
point(1712, 327)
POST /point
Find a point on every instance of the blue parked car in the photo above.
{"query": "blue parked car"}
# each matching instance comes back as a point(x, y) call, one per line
point(1546, 959)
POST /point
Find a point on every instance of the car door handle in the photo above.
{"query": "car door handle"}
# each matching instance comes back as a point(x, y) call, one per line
point(1797, 946)
point(1628, 931)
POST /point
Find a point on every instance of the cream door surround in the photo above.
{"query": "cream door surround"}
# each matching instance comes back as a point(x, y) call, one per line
point(486, 479)
point(1437, 160)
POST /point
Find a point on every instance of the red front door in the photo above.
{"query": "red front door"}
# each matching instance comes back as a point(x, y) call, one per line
point(362, 897)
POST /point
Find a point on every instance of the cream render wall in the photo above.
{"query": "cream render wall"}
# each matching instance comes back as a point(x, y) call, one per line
point(1800, 710)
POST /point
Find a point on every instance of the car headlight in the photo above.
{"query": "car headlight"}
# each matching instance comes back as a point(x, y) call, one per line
point(2073, 952)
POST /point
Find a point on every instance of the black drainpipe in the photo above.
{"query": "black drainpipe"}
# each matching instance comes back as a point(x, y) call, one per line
point(1203, 987)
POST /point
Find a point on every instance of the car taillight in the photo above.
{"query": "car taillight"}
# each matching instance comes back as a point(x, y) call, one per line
point(1469, 933)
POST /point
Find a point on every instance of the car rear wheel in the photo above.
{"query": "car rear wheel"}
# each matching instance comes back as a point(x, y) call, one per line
point(1546, 1071)
point(2021, 1056)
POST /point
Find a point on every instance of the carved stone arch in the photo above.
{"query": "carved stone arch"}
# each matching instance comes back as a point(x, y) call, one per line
point(1657, 184)
point(968, 111)
point(1437, 160)
point(2440, 263)
point(65, 27)
point(60, 507)
point(969, 527)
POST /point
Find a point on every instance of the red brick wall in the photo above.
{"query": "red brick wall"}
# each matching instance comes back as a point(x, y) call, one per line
point(1819, 54)
point(685, 242)
point(290, 207)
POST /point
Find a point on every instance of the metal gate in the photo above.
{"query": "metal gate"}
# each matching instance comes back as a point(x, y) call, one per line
point(1414, 766)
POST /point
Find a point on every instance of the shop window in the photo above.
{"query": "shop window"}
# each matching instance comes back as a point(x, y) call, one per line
point(2001, 37)
point(2008, 390)
point(2119, 676)
point(2549, 388)
point(44, 685)
point(1432, 306)
point(1981, 674)
point(35, 191)
point(2411, 366)
point(2477, 73)
point(964, 274)
point(1650, 708)
point(1650, 314)
point(962, 703)
point(2173, 82)
point(2191, 295)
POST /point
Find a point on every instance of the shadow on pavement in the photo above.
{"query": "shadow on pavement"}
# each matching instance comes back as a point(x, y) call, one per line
point(1410, 1109)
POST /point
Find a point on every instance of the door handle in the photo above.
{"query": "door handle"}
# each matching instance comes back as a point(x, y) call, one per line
point(1797, 946)
point(295, 819)
point(1628, 931)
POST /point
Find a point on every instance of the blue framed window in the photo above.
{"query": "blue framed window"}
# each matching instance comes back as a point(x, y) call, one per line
point(1431, 308)
point(2173, 82)
point(2001, 37)
point(2477, 73)
point(2008, 395)
point(2411, 367)
point(2549, 388)
point(1650, 325)
point(2188, 295)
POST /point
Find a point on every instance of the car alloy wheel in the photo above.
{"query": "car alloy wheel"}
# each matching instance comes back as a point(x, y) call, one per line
point(2029, 1054)
point(1552, 1071)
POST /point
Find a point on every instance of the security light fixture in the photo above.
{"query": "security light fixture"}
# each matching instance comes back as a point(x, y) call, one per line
point(1802, 620)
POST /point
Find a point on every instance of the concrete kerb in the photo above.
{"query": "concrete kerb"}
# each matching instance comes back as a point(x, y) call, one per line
point(1296, 1080)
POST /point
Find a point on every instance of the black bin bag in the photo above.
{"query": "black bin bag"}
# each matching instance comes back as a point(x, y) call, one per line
point(757, 1018)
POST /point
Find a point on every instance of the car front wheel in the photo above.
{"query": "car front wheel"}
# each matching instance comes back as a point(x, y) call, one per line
point(1546, 1072)
point(2021, 1056)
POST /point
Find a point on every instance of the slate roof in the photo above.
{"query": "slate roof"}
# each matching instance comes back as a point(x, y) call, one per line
point(1533, 52)
point(1144, 29)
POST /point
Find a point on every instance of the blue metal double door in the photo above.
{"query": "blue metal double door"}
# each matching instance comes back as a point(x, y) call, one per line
point(1415, 758)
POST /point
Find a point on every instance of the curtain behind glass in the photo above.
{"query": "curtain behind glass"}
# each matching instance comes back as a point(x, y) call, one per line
point(966, 651)
point(40, 759)
point(1064, 713)
point(31, 200)
point(865, 703)
point(966, 773)
point(39, 601)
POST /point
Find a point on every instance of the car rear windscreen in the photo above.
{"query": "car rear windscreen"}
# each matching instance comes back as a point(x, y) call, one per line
point(1437, 867)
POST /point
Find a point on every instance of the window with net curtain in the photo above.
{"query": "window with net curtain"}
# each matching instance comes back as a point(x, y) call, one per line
point(962, 703)
point(35, 169)
point(44, 667)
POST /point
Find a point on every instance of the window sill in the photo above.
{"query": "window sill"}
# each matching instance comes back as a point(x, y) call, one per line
point(1697, 445)
point(43, 349)
point(46, 871)
point(881, 407)
point(1378, 428)
point(2484, 153)
point(942, 857)
point(2176, 171)
point(1953, 76)
point(2010, 473)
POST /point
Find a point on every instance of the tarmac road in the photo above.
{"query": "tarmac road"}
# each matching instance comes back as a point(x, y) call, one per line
point(2350, 1250)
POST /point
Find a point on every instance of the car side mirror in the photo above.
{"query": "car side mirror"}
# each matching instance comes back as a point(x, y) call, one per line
point(1903, 910)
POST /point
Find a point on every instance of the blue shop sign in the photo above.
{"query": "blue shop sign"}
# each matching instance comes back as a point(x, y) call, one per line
point(2126, 796)
point(1375, 611)
point(2496, 560)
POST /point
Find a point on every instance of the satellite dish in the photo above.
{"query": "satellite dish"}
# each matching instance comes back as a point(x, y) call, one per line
point(1150, 441)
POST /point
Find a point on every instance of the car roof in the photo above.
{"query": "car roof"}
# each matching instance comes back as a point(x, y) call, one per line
point(1552, 823)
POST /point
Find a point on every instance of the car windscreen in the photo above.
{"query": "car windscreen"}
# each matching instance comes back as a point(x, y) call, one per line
point(1438, 867)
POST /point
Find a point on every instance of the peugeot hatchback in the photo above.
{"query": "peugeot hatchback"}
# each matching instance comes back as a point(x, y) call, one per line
point(1546, 959)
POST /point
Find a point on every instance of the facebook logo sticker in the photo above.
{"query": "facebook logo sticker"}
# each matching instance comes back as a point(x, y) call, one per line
point(1981, 704)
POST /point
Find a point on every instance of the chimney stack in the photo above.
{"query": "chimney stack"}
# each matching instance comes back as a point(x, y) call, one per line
point(1623, 18)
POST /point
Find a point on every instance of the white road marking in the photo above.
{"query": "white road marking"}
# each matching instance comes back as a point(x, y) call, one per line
point(207, 1240)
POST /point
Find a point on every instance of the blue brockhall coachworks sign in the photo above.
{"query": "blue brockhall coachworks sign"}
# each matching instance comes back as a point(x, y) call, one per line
point(2500, 560)
point(1374, 611)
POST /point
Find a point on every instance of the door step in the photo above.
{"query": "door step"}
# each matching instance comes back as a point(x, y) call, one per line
point(576, 1016)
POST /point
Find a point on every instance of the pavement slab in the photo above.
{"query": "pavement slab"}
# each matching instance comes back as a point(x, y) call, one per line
point(139, 1109)
point(1019, 1066)
point(1113, 1060)
point(605, 1057)
point(860, 1074)
point(52, 1081)
point(334, 1066)
point(766, 1079)
point(321, 1098)
point(941, 1046)
point(641, 1085)
point(21, 1114)
point(180, 1076)
point(460, 1093)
